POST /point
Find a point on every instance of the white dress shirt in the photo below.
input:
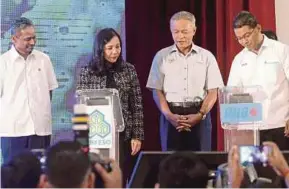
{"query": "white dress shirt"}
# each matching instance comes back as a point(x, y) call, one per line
point(269, 68)
point(24, 94)
point(184, 77)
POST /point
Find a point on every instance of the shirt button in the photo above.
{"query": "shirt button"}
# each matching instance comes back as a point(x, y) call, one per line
point(185, 89)
point(185, 78)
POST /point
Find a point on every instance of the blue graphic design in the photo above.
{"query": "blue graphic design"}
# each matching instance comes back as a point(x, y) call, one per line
point(241, 112)
point(98, 126)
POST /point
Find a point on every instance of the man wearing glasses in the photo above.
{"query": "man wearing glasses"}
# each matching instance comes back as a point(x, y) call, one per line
point(27, 79)
point(263, 62)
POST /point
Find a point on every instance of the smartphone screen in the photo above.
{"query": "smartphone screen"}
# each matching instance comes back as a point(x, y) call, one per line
point(254, 154)
point(40, 154)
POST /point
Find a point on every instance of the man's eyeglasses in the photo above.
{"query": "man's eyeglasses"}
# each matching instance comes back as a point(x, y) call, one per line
point(245, 36)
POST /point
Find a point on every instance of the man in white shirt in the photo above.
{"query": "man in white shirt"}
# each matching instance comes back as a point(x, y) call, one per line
point(27, 79)
point(263, 62)
point(185, 79)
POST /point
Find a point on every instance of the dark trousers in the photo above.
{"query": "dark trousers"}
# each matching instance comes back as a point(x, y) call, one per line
point(275, 135)
point(184, 140)
point(126, 160)
point(11, 146)
point(206, 133)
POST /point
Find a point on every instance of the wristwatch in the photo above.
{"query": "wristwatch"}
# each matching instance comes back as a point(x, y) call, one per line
point(203, 114)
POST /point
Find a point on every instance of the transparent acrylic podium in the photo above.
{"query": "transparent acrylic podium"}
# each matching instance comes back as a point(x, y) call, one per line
point(105, 120)
point(241, 114)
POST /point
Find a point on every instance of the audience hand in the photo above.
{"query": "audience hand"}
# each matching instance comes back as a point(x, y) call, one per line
point(276, 159)
point(112, 179)
point(235, 170)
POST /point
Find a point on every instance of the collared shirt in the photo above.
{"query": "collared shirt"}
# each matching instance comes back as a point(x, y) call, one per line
point(269, 68)
point(128, 86)
point(184, 77)
point(24, 94)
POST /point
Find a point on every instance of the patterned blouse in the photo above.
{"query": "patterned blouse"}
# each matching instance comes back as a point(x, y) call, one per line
point(128, 86)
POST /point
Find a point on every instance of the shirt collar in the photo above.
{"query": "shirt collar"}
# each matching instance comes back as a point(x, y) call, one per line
point(15, 55)
point(194, 48)
point(266, 43)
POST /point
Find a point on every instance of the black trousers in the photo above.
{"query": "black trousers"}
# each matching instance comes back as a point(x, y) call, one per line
point(275, 135)
point(11, 146)
point(184, 140)
point(126, 160)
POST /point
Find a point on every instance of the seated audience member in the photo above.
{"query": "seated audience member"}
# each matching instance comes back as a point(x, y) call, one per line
point(275, 158)
point(22, 171)
point(182, 170)
point(67, 166)
point(270, 34)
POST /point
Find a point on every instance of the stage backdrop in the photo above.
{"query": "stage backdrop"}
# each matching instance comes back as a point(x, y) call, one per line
point(65, 30)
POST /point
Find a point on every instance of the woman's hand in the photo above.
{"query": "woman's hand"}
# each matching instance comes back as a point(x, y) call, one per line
point(135, 146)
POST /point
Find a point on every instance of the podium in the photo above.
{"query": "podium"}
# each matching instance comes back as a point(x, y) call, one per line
point(241, 114)
point(105, 120)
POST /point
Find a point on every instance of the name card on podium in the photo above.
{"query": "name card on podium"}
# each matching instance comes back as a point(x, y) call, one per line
point(237, 113)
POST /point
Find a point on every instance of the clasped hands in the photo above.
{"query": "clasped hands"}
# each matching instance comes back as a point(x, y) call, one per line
point(184, 122)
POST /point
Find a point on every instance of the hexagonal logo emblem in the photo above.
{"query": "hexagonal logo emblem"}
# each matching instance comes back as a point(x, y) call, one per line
point(97, 125)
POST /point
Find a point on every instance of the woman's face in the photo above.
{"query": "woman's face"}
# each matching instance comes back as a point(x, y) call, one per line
point(112, 50)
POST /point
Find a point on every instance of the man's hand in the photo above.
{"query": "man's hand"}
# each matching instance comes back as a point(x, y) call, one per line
point(235, 170)
point(286, 131)
point(135, 146)
point(188, 121)
point(276, 158)
point(112, 179)
point(173, 119)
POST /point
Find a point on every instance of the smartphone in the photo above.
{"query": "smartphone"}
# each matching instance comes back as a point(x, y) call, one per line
point(254, 154)
point(40, 154)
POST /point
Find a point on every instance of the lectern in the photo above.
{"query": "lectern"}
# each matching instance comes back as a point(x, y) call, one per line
point(241, 114)
point(105, 120)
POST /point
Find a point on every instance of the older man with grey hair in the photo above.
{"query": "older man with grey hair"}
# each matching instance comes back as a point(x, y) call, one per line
point(184, 79)
point(27, 79)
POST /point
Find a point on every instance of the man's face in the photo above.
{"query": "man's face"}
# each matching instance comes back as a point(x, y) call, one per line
point(24, 40)
point(183, 32)
point(247, 36)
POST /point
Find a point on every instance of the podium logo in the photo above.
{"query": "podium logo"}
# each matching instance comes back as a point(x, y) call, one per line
point(97, 125)
point(253, 112)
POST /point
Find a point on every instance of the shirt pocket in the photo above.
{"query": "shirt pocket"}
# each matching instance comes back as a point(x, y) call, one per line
point(172, 78)
point(270, 72)
point(198, 73)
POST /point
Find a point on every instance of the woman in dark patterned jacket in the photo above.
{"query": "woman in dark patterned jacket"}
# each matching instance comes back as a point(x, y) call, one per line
point(107, 69)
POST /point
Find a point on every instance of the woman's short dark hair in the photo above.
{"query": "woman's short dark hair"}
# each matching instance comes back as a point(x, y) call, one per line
point(101, 39)
point(245, 18)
